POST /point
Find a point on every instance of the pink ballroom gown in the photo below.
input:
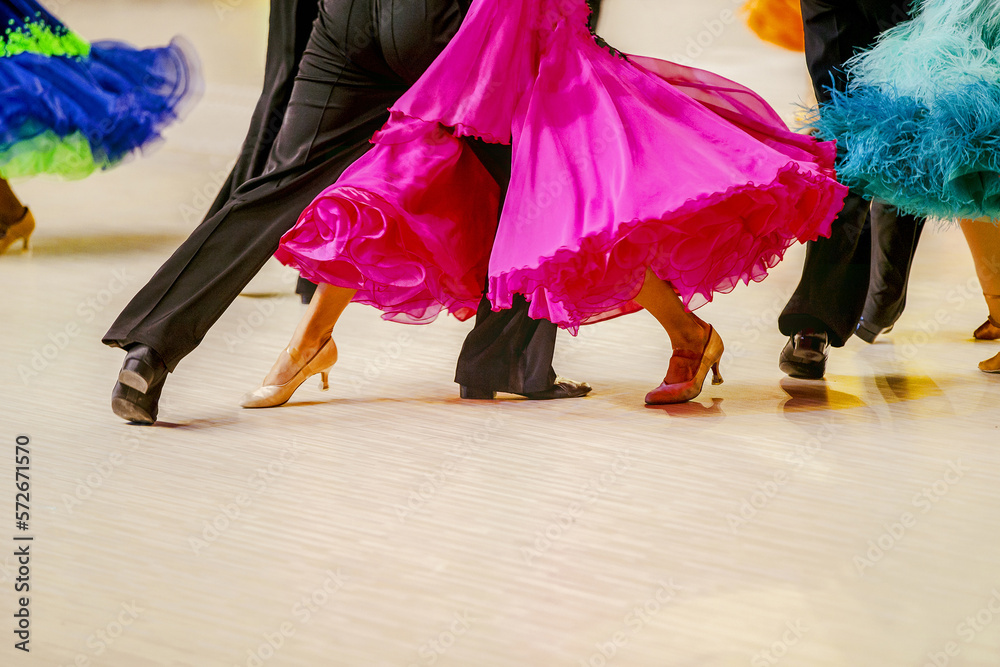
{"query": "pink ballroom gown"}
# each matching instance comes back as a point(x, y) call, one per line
point(619, 164)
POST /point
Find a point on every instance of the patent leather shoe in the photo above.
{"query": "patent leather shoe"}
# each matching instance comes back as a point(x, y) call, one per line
point(805, 355)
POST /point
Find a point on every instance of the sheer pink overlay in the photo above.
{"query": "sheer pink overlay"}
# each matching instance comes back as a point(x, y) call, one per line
point(619, 164)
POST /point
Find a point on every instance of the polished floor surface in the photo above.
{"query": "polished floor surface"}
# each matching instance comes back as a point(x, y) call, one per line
point(851, 522)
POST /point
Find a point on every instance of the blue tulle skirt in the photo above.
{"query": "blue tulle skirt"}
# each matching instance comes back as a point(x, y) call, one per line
point(919, 124)
point(68, 107)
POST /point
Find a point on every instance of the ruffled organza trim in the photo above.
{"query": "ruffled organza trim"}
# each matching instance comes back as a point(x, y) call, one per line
point(740, 234)
point(381, 258)
point(406, 239)
point(940, 159)
point(118, 100)
point(68, 157)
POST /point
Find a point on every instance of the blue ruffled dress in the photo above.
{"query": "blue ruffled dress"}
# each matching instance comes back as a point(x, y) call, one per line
point(919, 123)
point(68, 107)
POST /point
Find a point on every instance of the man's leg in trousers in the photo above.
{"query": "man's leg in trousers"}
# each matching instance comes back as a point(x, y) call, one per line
point(289, 27)
point(326, 128)
point(507, 350)
point(831, 293)
point(894, 243)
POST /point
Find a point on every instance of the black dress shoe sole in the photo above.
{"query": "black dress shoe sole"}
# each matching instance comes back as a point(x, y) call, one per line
point(134, 406)
point(555, 393)
point(558, 392)
point(131, 412)
point(803, 370)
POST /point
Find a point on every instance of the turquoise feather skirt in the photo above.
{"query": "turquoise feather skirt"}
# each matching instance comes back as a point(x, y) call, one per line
point(919, 123)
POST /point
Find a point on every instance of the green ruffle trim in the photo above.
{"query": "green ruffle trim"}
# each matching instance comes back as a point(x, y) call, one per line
point(38, 37)
point(69, 157)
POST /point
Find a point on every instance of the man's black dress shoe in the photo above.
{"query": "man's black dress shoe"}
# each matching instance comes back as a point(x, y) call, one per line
point(134, 406)
point(562, 388)
point(805, 355)
point(143, 369)
point(869, 332)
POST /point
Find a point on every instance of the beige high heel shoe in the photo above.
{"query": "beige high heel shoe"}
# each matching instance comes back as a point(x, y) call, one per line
point(990, 365)
point(273, 395)
point(990, 330)
point(20, 230)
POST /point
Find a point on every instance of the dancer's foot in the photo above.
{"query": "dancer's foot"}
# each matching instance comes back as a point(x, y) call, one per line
point(990, 330)
point(805, 355)
point(991, 365)
point(562, 388)
point(293, 367)
point(142, 369)
point(134, 406)
point(140, 382)
point(694, 355)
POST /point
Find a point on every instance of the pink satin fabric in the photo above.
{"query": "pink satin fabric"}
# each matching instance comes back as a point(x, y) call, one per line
point(619, 165)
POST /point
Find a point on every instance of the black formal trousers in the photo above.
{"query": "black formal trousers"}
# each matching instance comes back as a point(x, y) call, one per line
point(595, 13)
point(361, 56)
point(863, 268)
point(289, 27)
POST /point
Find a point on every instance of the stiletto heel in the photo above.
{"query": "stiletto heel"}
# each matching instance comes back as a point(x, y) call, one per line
point(716, 375)
point(707, 359)
point(20, 230)
point(273, 395)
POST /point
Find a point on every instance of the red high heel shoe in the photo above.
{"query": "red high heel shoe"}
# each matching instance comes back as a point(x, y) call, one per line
point(698, 366)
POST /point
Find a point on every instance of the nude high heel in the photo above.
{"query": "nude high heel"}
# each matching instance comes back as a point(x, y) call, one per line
point(990, 329)
point(681, 392)
point(273, 395)
point(991, 365)
point(20, 230)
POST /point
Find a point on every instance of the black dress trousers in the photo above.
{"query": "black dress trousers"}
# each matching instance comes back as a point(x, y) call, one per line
point(361, 56)
point(506, 350)
point(864, 266)
point(291, 23)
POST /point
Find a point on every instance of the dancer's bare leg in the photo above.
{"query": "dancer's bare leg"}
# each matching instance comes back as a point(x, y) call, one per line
point(686, 330)
point(984, 241)
point(697, 348)
point(313, 330)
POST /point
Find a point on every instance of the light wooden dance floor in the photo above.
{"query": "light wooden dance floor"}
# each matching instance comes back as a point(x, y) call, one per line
point(852, 522)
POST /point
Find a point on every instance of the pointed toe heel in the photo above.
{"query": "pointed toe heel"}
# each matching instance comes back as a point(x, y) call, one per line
point(990, 365)
point(707, 360)
point(274, 395)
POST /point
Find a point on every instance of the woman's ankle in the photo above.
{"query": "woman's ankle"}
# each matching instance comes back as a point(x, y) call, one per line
point(692, 336)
